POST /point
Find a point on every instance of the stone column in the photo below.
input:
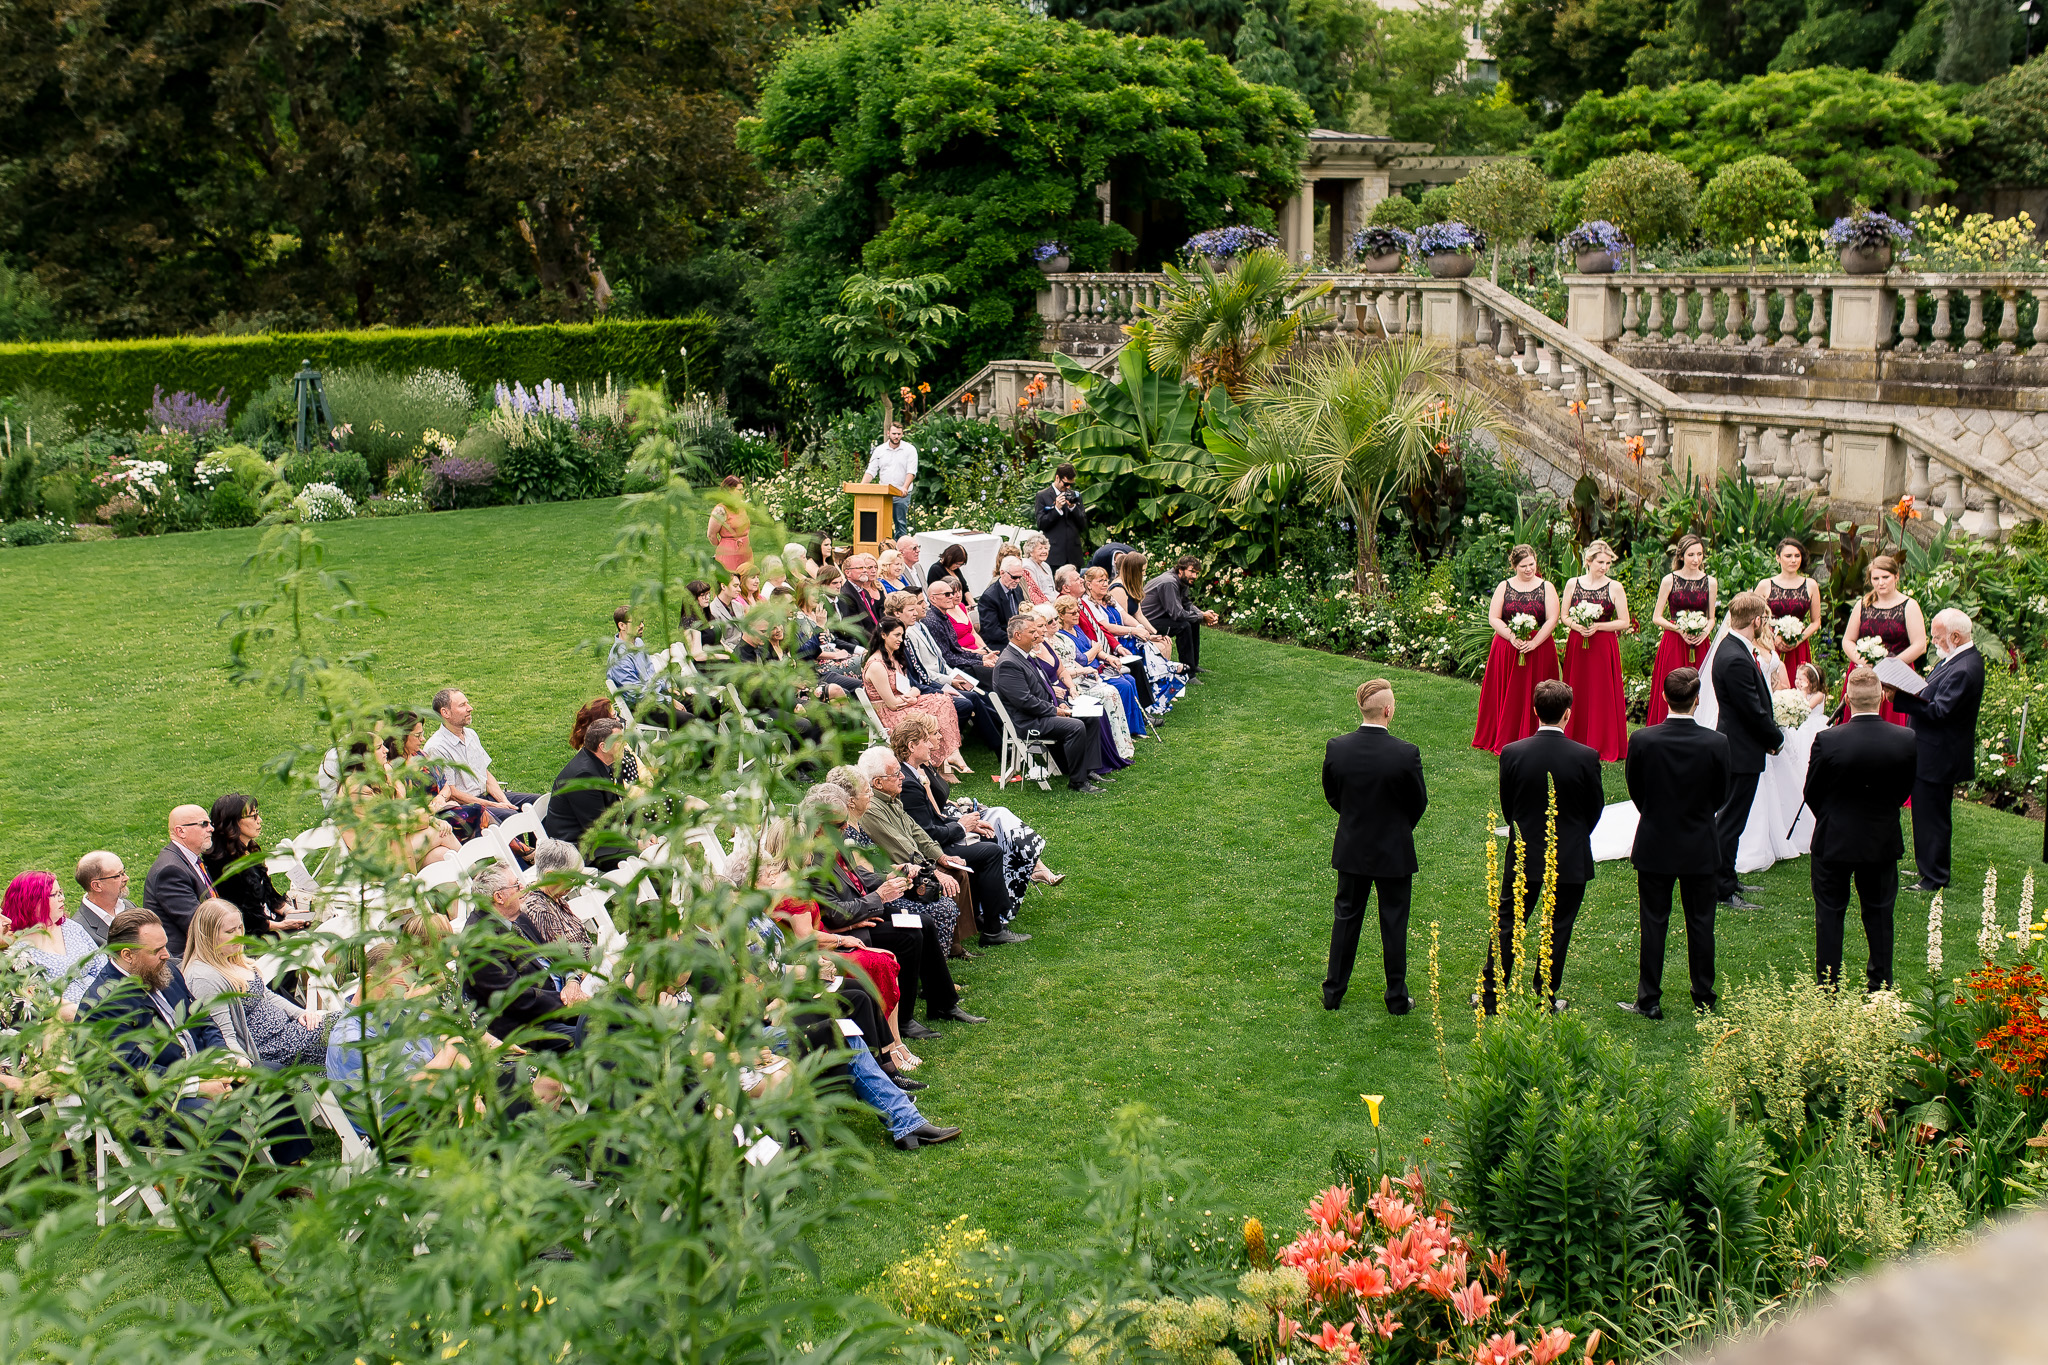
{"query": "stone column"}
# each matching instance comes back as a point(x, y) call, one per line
point(1703, 448)
point(1869, 470)
point(1448, 317)
point(1860, 318)
point(1593, 309)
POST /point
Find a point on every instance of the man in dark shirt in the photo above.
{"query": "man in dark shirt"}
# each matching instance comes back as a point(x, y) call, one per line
point(584, 791)
point(1167, 607)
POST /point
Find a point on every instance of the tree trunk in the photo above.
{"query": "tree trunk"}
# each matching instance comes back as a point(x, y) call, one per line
point(1367, 572)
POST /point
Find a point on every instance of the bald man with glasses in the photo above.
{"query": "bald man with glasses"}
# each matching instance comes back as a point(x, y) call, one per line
point(177, 880)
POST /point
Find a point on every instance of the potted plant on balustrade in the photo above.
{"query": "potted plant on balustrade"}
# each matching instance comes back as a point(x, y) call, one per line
point(1451, 248)
point(1381, 249)
point(1221, 246)
point(1597, 247)
point(1866, 240)
point(1053, 257)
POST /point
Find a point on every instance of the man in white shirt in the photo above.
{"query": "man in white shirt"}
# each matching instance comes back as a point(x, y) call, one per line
point(460, 764)
point(104, 879)
point(894, 463)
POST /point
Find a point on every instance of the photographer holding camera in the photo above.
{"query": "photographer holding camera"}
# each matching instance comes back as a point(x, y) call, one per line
point(1063, 517)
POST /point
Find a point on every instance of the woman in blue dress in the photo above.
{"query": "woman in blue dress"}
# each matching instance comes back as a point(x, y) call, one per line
point(1092, 654)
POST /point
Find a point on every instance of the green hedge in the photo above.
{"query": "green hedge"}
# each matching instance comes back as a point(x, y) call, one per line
point(114, 381)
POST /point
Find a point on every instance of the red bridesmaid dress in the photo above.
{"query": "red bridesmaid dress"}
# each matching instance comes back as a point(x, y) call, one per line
point(1507, 707)
point(1889, 625)
point(1793, 602)
point(1592, 665)
point(1672, 651)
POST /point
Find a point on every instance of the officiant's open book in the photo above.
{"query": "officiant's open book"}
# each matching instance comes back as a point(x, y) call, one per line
point(1900, 676)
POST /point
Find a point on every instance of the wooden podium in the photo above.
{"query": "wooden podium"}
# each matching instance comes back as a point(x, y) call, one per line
point(874, 516)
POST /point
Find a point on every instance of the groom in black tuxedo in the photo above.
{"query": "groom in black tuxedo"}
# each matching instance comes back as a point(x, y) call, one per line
point(1374, 783)
point(1751, 729)
point(1945, 724)
point(1529, 768)
point(1678, 775)
point(1856, 780)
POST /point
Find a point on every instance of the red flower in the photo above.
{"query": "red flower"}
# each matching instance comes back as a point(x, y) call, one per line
point(1499, 1350)
point(1364, 1279)
point(1549, 1346)
point(1330, 1206)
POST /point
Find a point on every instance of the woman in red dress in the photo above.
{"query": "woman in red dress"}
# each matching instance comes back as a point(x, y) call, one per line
point(1790, 592)
point(1518, 661)
point(1592, 657)
point(1686, 588)
point(1888, 615)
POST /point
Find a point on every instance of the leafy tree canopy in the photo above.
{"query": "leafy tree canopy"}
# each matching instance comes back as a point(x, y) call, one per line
point(2011, 146)
point(367, 161)
point(1271, 42)
point(1410, 63)
point(1854, 135)
point(951, 136)
point(1553, 51)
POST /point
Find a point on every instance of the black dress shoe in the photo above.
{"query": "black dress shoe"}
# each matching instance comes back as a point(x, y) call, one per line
point(1738, 903)
point(926, 1135)
point(960, 1016)
point(1086, 788)
point(905, 1084)
point(959, 954)
point(1401, 1006)
point(913, 1029)
point(1631, 1007)
point(1748, 886)
point(1002, 936)
point(1922, 885)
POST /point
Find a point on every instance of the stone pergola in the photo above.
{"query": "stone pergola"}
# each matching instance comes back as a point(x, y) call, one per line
point(1351, 172)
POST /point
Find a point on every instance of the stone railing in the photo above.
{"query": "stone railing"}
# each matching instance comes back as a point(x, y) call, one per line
point(1971, 314)
point(1002, 391)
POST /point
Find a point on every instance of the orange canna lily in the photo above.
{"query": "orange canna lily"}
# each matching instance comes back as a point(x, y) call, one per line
point(967, 398)
point(1076, 406)
point(924, 388)
point(1905, 510)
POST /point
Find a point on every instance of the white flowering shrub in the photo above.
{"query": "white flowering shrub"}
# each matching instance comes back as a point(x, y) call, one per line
point(323, 502)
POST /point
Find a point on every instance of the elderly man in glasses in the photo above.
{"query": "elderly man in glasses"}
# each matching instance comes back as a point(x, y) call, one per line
point(104, 879)
point(177, 881)
point(1002, 599)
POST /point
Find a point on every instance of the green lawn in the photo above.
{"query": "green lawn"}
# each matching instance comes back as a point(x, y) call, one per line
point(1178, 965)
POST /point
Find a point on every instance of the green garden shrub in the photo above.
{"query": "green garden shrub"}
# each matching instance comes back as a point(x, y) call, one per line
point(345, 469)
point(58, 492)
point(34, 531)
point(387, 414)
point(18, 485)
point(1397, 211)
point(112, 382)
point(1744, 201)
point(1437, 204)
point(1650, 197)
point(231, 505)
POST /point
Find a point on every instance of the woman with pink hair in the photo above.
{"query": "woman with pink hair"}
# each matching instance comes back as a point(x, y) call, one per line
point(45, 940)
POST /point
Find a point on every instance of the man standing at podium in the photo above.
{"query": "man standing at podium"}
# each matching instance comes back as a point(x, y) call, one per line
point(894, 462)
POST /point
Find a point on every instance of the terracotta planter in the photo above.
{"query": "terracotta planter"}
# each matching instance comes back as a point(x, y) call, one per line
point(1600, 262)
point(1452, 265)
point(1056, 265)
point(1387, 264)
point(1867, 260)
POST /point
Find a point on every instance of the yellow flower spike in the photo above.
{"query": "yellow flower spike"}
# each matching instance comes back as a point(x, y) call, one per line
point(1372, 1105)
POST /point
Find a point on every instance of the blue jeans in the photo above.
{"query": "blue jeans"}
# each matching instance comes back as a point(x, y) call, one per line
point(875, 1088)
point(902, 514)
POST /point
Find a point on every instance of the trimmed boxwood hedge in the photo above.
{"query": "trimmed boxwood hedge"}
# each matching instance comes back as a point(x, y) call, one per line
point(112, 382)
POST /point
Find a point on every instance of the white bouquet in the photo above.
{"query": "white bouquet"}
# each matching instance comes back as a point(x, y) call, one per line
point(1789, 708)
point(1871, 648)
point(1789, 629)
point(1586, 614)
point(1521, 625)
point(1692, 623)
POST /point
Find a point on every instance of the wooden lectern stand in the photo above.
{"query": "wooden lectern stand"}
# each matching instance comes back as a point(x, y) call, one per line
point(874, 525)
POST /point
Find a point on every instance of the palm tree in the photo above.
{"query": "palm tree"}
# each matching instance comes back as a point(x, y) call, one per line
point(1354, 427)
point(1230, 328)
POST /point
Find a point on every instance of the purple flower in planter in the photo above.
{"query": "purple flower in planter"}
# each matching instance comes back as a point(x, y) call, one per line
point(1231, 241)
point(188, 412)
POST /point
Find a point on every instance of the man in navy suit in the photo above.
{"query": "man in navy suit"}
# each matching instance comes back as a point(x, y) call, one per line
point(1374, 783)
point(1856, 780)
point(1945, 724)
point(138, 951)
point(1679, 775)
point(1530, 769)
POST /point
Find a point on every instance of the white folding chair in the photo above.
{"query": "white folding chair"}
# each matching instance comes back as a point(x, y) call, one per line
point(356, 1152)
point(706, 838)
point(324, 840)
point(590, 906)
point(475, 851)
point(1023, 759)
point(876, 730)
point(443, 873)
point(525, 822)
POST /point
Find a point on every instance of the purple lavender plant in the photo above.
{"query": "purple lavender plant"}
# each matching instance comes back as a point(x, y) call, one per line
point(188, 412)
point(456, 472)
point(547, 398)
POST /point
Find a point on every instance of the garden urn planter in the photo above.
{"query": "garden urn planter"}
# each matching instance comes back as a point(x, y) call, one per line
point(1385, 264)
point(1867, 260)
point(1056, 265)
point(1452, 265)
point(1600, 262)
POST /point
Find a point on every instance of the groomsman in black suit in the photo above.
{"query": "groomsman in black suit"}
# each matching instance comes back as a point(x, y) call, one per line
point(1529, 768)
point(1856, 780)
point(1945, 723)
point(1751, 729)
point(1679, 774)
point(1374, 783)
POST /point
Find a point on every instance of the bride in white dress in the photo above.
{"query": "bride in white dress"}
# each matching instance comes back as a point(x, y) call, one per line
point(1780, 826)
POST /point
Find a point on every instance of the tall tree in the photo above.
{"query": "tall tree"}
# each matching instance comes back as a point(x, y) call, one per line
point(1412, 64)
point(1553, 51)
point(1306, 61)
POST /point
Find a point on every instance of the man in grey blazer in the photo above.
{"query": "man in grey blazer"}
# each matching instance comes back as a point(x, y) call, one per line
point(104, 880)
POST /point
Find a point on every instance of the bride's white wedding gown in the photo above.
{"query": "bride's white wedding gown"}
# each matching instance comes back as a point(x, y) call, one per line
point(1779, 825)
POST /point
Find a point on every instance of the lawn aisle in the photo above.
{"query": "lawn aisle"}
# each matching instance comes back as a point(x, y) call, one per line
point(1178, 965)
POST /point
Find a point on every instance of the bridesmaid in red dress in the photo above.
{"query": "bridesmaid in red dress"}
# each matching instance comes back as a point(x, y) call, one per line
point(1885, 613)
point(1507, 707)
point(1799, 599)
point(1686, 588)
point(1592, 657)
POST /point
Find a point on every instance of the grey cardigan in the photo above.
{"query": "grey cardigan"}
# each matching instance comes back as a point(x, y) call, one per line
point(221, 998)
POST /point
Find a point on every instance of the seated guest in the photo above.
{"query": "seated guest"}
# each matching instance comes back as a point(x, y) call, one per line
point(1002, 599)
point(632, 675)
point(1070, 684)
point(512, 987)
point(254, 1021)
point(1035, 550)
point(1134, 640)
point(837, 661)
point(466, 821)
point(893, 695)
point(1167, 607)
point(796, 558)
point(1093, 672)
point(910, 845)
point(104, 880)
point(944, 910)
point(729, 607)
point(45, 941)
point(460, 764)
point(139, 951)
point(380, 1015)
point(912, 576)
point(955, 628)
point(890, 573)
point(699, 628)
point(584, 791)
point(762, 645)
point(177, 880)
point(860, 600)
point(1105, 555)
point(600, 708)
point(951, 568)
point(774, 578)
point(403, 835)
point(933, 676)
point(544, 912)
point(1025, 684)
point(954, 823)
point(237, 828)
point(854, 903)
